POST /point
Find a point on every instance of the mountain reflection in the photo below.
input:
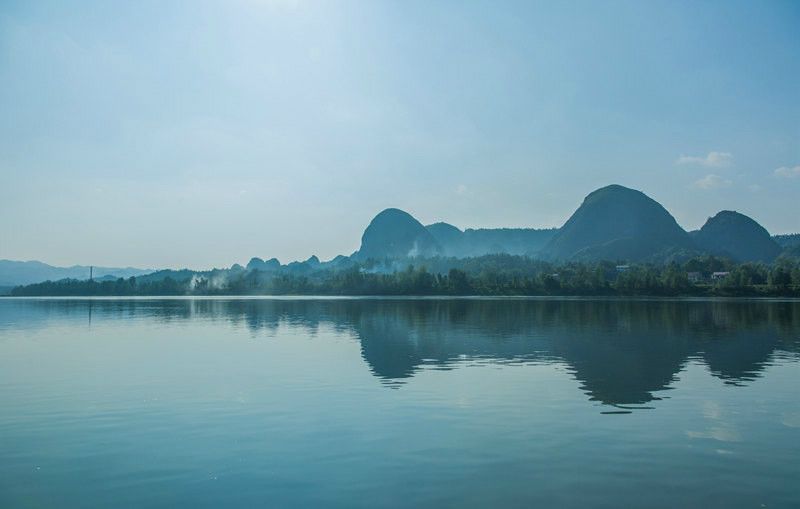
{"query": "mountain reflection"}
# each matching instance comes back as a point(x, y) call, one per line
point(621, 352)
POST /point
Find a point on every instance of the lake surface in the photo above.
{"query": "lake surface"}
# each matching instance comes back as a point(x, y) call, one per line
point(399, 403)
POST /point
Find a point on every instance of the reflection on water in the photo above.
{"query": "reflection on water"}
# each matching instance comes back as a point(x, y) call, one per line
point(622, 352)
point(399, 403)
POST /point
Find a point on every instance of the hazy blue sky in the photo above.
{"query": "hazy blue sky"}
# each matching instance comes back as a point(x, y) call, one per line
point(204, 133)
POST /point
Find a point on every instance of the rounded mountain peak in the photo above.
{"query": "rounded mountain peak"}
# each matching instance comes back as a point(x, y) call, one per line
point(738, 236)
point(445, 233)
point(394, 233)
point(731, 217)
point(450, 238)
point(617, 223)
point(616, 192)
point(393, 216)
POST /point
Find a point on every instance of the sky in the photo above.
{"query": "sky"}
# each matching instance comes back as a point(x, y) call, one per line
point(200, 134)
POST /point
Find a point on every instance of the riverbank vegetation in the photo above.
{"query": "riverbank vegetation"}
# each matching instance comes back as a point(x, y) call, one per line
point(486, 275)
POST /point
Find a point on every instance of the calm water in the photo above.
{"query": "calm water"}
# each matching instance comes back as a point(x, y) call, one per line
point(399, 403)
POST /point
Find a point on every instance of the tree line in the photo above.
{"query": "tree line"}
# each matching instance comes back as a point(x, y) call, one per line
point(486, 275)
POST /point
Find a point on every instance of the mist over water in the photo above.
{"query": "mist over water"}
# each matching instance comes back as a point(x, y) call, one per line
point(399, 402)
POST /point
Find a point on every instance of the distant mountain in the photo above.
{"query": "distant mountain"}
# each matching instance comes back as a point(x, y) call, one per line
point(450, 238)
point(396, 234)
point(791, 252)
point(482, 241)
point(515, 241)
point(787, 240)
point(311, 264)
point(13, 273)
point(614, 223)
point(618, 223)
point(258, 264)
point(738, 237)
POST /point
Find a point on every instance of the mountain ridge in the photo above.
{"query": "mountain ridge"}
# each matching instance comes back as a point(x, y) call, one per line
point(17, 272)
point(613, 223)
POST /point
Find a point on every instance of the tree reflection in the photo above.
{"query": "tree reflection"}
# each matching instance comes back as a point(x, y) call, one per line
point(622, 352)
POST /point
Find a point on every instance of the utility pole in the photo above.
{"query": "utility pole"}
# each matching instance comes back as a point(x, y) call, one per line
point(91, 271)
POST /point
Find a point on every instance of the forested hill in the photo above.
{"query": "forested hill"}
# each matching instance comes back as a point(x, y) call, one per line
point(737, 236)
point(613, 224)
point(787, 240)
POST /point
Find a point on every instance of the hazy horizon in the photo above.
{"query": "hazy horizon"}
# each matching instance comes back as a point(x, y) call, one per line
point(201, 135)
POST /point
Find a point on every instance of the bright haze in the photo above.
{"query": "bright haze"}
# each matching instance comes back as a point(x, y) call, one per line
point(199, 134)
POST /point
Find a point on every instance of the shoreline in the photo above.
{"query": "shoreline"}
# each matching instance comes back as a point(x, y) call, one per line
point(665, 298)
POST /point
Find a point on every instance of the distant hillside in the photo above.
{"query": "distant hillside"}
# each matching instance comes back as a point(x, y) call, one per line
point(259, 264)
point(482, 241)
point(396, 234)
point(450, 238)
point(787, 240)
point(516, 241)
point(14, 273)
point(791, 252)
point(617, 223)
point(736, 236)
point(613, 224)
